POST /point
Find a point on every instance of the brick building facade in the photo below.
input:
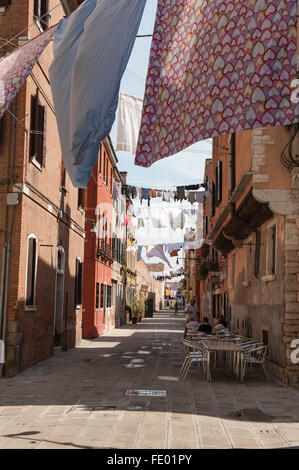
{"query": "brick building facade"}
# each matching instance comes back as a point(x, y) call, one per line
point(102, 248)
point(252, 230)
point(42, 215)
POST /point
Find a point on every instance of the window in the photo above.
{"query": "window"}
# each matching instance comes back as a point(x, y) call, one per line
point(106, 174)
point(108, 296)
point(81, 197)
point(271, 251)
point(248, 262)
point(257, 254)
point(5, 3)
point(98, 230)
point(265, 335)
point(62, 175)
point(78, 282)
point(41, 14)
point(97, 295)
point(213, 198)
point(111, 181)
point(100, 159)
point(219, 183)
point(37, 143)
point(31, 270)
point(104, 167)
point(233, 270)
point(102, 295)
point(232, 164)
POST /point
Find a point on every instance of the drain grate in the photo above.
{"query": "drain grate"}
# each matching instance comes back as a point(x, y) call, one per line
point(146, 393)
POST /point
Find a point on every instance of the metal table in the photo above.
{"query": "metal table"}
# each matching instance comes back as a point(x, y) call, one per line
point(236, 353)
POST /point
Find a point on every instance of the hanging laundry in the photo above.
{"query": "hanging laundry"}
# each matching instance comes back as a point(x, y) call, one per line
point(153, 193)
point(180, 193)
point(85, 81)
point(216, 67)
point(169, 247)
point(199, 196)
point(129, 119)
point(191, 197)
point(166, 196)
point(141, 223)
point(158, 218)
point(139, 251)
point(176, 219)
point(16, 66)
point(192, 187)
point(158, 252)
point(159, 193)
point(174, 253)
point(145, 194)
point(116, 194)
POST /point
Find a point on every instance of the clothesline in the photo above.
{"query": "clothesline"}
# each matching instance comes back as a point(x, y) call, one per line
point(180, 194)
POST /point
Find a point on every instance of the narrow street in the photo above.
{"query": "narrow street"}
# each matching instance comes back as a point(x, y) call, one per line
point(81, 398)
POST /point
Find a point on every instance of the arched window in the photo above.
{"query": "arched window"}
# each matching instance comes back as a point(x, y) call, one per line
point(31, 270)
point(60, 261)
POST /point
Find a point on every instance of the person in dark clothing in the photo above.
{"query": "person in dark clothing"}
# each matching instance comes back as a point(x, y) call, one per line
point(205, 327)
point(176, 307)
point(222, 321)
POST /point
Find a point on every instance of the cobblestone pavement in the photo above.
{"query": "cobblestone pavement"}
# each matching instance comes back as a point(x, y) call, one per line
point(81, 399)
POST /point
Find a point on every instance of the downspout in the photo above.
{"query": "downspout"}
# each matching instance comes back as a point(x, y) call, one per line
point(8, 247)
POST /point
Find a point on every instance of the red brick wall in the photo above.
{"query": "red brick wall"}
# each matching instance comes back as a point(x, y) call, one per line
point(97, 269)
point(31, 333)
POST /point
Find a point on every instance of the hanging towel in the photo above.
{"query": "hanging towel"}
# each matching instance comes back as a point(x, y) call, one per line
point(85, 80)
point(16, 66)
point(129, 119)
point(216, 67)
point(192, 187)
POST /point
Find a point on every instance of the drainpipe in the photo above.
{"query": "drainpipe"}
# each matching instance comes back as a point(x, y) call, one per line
point(2, 355)
point(7, 248)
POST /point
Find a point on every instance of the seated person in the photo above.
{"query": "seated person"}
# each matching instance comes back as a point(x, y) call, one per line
point(222, 321)
point(205, 326)
point(218, 326)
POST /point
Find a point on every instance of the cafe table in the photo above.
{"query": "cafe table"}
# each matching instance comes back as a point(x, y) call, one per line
point(226, 346)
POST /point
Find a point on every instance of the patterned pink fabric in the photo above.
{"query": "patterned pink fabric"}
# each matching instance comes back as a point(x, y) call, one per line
point(16, 66)
point(216, 67)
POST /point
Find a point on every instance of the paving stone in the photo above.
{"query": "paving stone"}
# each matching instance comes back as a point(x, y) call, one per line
point(74, 404)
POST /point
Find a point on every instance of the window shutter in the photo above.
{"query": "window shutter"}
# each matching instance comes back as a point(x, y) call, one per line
point(44, 149)
point(219, 191)
point(37, 8)
point(31, 271)
point(33, 125)
point(5, 3)
point(78, 282)
point(39, 138)
point(213, 198)
point(44, 13)
point(97, 294)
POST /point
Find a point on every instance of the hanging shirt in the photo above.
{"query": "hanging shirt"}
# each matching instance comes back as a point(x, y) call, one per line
point(129, 119)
